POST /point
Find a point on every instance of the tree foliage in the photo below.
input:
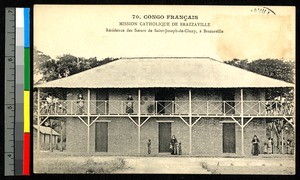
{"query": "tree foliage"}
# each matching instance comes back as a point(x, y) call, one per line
point(50, 69)
point(274, 68)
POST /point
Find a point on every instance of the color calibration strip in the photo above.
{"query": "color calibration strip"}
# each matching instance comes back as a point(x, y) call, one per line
point(22, 90)
point(26, 148)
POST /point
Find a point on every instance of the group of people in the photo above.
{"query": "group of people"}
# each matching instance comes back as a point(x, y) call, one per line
point(175, 147)
point(269, 146)
point(52, 105)
point(280, 106)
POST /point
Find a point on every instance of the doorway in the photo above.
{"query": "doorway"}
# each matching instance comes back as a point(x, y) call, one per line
point(164, 98)
point(101, 139)
point(229, 138)
point(228, 97)
point(164, 135)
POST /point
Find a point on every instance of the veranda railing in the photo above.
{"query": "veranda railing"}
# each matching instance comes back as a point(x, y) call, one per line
point(163, 107)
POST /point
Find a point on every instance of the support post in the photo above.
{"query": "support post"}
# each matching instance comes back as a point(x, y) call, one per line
point(242, 120)
point(282, 148)
point(61, 136)
point(139, 121)
point(51, 136)
point(88, 116)
point(190, 119)
point(38, 120)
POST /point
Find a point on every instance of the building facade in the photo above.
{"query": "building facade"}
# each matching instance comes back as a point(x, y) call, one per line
point(212, 108)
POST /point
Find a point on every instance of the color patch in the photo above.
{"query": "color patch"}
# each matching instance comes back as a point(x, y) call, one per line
point(26, 69)
point(26, 111)
point(26, 152)
point(26, 27)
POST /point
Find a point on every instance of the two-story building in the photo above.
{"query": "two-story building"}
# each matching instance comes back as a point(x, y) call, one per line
point(211, 107)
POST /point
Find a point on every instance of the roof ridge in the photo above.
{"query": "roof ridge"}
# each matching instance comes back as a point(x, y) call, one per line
point(86, 79)
point(159, 57)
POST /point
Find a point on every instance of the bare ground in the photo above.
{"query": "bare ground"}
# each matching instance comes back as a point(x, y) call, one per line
point(97, 164)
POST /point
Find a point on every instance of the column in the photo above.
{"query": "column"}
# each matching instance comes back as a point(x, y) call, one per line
point(242, 121)
point(139, 121)
point(38, 119)
point(88, 116)
point(190, 119)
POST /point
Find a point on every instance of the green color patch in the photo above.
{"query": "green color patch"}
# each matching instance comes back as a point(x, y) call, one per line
point(26, 69)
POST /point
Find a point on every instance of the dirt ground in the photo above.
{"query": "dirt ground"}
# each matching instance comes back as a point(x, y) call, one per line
point(45, 163)
point(198, 165)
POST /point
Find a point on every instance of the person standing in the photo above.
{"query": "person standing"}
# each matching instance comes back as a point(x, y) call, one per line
point(272, 143)
point(266, 148)
point(129, 104)
point(80, 103)
point(179, 149)
point(149, 146)
point(255, 146)
point(49, 100)
point(173, 145)
point(270, 146)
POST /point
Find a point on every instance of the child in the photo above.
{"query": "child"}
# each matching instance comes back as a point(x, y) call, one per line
point(179, 148)
point(265, 148)
point(149, 146)
point(270, 146)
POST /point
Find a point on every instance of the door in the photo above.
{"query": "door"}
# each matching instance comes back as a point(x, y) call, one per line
point(228, 96)
point(102, 101)
point(101, 144)
point(164, 134)
point(164, 98)
point(228, 137)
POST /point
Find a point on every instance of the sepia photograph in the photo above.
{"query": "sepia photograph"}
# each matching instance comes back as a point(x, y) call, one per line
point(164, 89)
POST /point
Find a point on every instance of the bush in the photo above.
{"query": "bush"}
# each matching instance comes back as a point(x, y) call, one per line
point(58, 165)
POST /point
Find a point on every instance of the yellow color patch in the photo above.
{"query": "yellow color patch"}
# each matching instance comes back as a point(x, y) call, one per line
point(26, 111)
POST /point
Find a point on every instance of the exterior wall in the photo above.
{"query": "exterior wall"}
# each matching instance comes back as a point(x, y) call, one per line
point(122, 136)
point(147, 101)
point(255, 127)
point(207, 137)
point(72, 95)
point(76, 135)
point(206, 95)
point(116, 96)
point(122, 132)
point(253, 95)
point(149, 131)
point(181, 99)
point(181, 132)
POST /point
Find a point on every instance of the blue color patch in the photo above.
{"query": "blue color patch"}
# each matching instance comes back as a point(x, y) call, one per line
point(26, 27)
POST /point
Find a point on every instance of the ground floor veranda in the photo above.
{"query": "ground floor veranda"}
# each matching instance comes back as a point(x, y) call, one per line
point(129, 135)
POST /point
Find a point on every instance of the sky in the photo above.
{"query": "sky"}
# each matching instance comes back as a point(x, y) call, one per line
point(249, 32)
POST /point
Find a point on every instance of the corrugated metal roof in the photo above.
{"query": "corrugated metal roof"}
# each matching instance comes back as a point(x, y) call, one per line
point(165, 72)
point(46, 130)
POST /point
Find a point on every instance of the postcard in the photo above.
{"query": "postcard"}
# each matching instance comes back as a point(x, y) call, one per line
point(164, 89)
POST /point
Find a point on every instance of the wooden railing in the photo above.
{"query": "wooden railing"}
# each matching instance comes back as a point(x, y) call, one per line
point(201, 108)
